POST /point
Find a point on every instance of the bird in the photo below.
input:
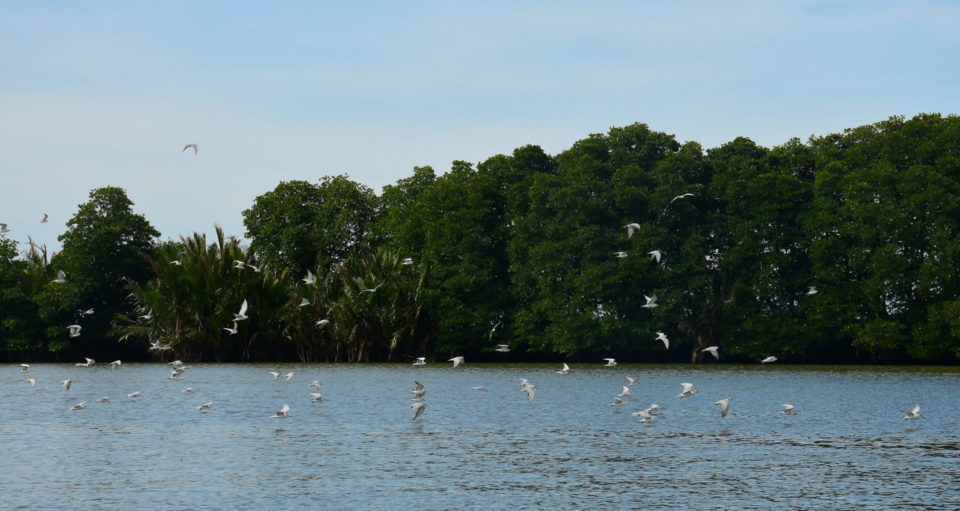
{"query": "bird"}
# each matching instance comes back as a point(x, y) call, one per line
point(187, 390)
point(315, 384)
point(276, 374)
point(811, 291)
point(724, 406)
point(147, 316)
point(44, 218)
point(651, 301)
point(655, 255)
point(196, 148)
point(61, 278)
point(256, 269)
point(912, 414)
point(317, 398)
point(420, 361)
point(79, 406)
point(632, 381)
point(419, 407)
point(175, 363)
point(88, 312)
point(3, 228)
point(645, 415)
point(769, 359)
point(176, 262)
point(371, 289)
point(490, 337)
point(620, 255)
point(32, 382)
point(631, 228)
point(712, 350)
point(205, 406)
point(242, 315)
point(135, 393)
point(309, 279)
point(104, 399)
point(625, 392)
point(456, 361)
point(681, 196)
point(531, 391)
point(663, 337)
point(66, 383)
point(282, 412)
point(74, 331)
point(115, 364)
point(418, 392)
point(406, 261)
point(688, 390)
point(89, 361)
point(617, 402)
point(233, 330)
point(238, 264)
point(565, 370)
point(322, 322)
point(788, 410)
point(479, 388)
point(288, 376)
point(610, 362)
point(503, 348)
point(24, 368)
point(304, 303)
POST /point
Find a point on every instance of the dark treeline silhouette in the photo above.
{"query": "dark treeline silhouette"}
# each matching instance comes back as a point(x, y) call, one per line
point(843, 249)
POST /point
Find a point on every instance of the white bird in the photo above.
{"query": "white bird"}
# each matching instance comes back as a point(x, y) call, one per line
point(256, 269)
point(104, 399)
point(205, 406)
point(631, 228)
point(418, 392)
point(322, 322)
point(724, 406)
point(406, 261)
point(3, 228)
point(135, 393)
point(713, 351)
point(788, 410)
point(88, 312)
point(645, 415)
point(456, 361)
point(503, 348)
point(176, 262)
point(196, 148)
point(620, 255)
point(315, 384)
point(89, 361)
point(610, 362)
point(187, 390)
point(233, 330)
point(625, 393)
point(147, 316)
point(811, 291)
point(651, 302)
point(420, 361)
point(61, 278)
point(317, 398)
point(490, 337)
point(74, 331)
point(282, 412)
point(288, 376)
point(78, 406)
point(156, 346)
point(617, 402)
point(24, 368)
point(309, 279)
point(304, 303)
point(238, 264)
point(531, 391)
point(632, 381)
point(419, 407)
point(912, 414)
point(276, 374)
point(44, 218)
point(663, 337)
point(242, 315)
point(681, 196)
point(32, 382)
point(175, 363)
point(565, 370)
point(66, 383)
point(115, 364)
point(479, 388)
point(371, 289)
point(769, 359)
point(655, 255)
point(687, 390)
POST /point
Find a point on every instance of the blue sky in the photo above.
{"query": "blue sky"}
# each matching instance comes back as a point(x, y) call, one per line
point(107, 93)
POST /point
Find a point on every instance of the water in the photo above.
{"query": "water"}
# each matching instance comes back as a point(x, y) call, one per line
point(847, 448)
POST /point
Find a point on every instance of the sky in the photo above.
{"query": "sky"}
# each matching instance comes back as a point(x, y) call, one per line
point(96, 94)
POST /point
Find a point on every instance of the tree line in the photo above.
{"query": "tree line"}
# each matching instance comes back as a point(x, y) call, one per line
point(844, 248)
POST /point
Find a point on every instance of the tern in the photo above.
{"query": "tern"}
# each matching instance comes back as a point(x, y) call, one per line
point(645, 415)
point(205, 406)
point(912, 414)
point(687, 390)
point(177, 262)
point(282, 412)
point(309, 279)
point(632, 228)
point(420, 361)
point(32, 382)
point(322, 322)
point(238, 264)
point(242, 315)
point(503, 348)
point(66, 383)
point(620, 255)
point(88, 312)
point(419, 407)
point(456, 361)
point(633, 381)
point(651, 301)
point(724, 406)
point(276, 374)
point(44, 218)
point(24, 368)
point(478, 388)
point(256, 269)
point(3, 228)
point(104, 399)
point(288, 376)
point(655, 255)
point(663, 337)
point(115, 364)
point(610, 362)
point(681, 196)
point(196, 148)
point(315, 384)
point(175, 363)
point(74, 331)
point(304, 303)
point(78, 406)
point(788, 410)
point(811, 291)
point(617, 402)
point(625, 393)
point(147, 316)
point(317, 398)
point(231, 331)
point(769, 359)
point(187, 390)
point(61, 278)
point(531, 391)
point(406, 261)
point(565, 370)
point(89, 362)
point(135, 393)
point(712, 350)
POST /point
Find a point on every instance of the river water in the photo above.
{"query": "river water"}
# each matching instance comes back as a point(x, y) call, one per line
point(848, 446)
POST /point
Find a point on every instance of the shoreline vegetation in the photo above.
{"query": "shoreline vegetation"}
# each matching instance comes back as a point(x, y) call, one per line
point(844, 249)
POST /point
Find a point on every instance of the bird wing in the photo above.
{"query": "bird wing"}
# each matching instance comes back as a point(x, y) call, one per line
point(243, 307)
point(284, 409)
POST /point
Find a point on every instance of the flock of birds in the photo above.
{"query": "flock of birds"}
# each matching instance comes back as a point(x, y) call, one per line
point(418, 404)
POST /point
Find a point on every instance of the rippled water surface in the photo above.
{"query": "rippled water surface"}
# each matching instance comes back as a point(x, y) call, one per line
point(847, 448)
